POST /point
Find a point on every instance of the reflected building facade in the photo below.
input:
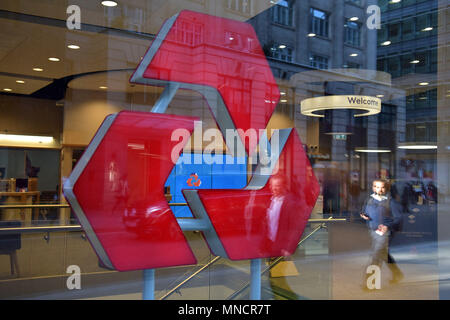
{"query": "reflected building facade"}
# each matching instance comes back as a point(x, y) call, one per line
point(320, 48)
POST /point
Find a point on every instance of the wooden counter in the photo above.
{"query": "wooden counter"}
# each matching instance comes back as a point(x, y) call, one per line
point(18, 198)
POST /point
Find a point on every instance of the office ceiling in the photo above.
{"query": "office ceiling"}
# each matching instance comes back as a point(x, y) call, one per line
point(110, 40)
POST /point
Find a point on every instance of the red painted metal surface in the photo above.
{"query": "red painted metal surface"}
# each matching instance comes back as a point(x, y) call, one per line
point(241, 217)
point(121, 192)
point(223, 54)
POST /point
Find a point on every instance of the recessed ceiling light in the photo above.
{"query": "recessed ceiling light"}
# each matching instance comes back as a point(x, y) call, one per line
point(424, 83)
point(372, 150)
point(418, 146)
point(386, 43)
point(54, 59)
point(103, 87)
point(7, 89)
point(20, 81)
point(283, 101)
point(427, 29)
point(25, 138)
point(282, 93)
point(414, 61)
point(354, 19)
point(109, 3)
point(38, 69)
point(282, 46)
point(353, 55)
point(311, 34)
point(73, 46)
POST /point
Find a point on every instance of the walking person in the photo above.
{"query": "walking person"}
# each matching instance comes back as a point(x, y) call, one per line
point(377, 212)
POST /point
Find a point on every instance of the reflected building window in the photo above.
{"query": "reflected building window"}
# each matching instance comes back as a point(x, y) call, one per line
point(352, 31)
point(240, 6)
point(357, 2)
point(281, 52)
point(319, 22)
point(282, 13)
point(189, 33)
point(352, 65)
point(319, 62)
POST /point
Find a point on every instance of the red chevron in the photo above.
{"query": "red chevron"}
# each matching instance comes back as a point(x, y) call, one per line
point(121, 192)
point(240, 217)
point(198, 50)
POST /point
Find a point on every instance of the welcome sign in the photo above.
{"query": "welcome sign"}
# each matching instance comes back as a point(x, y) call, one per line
point(371, 105)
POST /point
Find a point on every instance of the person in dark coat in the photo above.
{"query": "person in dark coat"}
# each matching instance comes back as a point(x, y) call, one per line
point(377, 212)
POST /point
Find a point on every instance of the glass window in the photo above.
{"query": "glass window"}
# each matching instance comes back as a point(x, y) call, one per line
point(240, 6)
point(381, 64)
point(69, 78)
point(352, 33)
point(318, 22)
point(423, 65)
point(319, 62)
point(407, 62)
point(282, 12)
point(352, 65)
point(408, 31)
point(393, 66)
point(384, 5)
point(422, 24)
point(382, 33)
point(281, 52)
point(394, 32)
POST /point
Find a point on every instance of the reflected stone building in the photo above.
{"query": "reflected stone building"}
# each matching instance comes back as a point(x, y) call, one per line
point(319, 48)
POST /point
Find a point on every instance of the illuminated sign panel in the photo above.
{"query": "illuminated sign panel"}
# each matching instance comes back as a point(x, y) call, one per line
point(371, 105)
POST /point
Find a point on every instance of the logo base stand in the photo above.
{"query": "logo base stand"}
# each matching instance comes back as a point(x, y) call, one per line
point(149, 285)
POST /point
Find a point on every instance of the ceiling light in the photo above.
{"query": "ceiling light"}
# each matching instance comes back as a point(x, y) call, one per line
point(103, 87)
point(380, 95)
point(7, 89)
point(311, 34)
point(109, 3)
point(414, 61)
point(424, 83)
point(353, 55)
point(20, 81)
point(427, 29)
point(395, 1)
point(367, 150)
point(24, 138)
point(73, 46)
point(283, 101)
point(418, 146)
point(54, 59)
point(339, 133)
point(38, 69)
point(282, 93)
point(386, 43)
point(354, 19)
point(281, 46)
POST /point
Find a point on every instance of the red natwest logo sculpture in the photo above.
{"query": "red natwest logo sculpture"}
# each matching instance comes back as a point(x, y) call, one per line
point(117, 188)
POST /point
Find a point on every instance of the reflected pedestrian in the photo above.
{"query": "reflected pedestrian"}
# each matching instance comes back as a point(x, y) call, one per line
point(378, 215)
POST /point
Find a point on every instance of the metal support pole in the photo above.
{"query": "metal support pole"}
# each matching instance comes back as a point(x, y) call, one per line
point(255, 282)
point(149, 285)
point(165, 98)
